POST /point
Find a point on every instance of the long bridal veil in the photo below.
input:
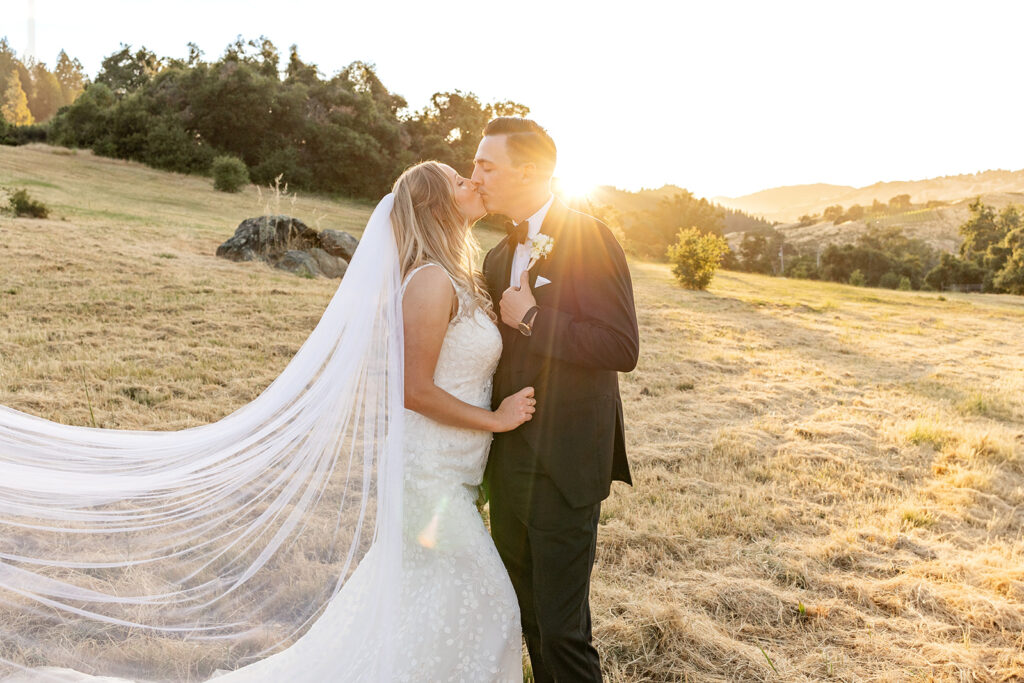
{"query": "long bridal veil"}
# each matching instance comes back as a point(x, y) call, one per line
point(170, 555)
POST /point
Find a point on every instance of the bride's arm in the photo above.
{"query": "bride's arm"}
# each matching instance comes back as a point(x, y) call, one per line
point(426, 310)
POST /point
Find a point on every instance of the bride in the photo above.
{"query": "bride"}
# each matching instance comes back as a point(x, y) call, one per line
point(339, 504)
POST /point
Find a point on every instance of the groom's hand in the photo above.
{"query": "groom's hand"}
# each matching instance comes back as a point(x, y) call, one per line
point(516, 301)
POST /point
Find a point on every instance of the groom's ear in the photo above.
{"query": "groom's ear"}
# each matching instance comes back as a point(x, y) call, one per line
point(529, 172)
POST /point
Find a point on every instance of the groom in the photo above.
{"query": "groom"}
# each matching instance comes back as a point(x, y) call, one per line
point(568, 326)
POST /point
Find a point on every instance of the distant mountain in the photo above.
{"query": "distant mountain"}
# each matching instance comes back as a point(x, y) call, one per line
point(768, 203)
point(787, 204)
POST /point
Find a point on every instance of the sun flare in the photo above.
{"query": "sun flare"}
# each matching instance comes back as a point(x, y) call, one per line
point(575, 187)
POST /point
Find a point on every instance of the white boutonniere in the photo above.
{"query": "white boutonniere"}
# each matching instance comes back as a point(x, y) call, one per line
point(540, 247)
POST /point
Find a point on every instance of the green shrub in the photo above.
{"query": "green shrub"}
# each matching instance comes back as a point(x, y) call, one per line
point(105, 148)
point(22, 135)
point(905, 284)
point(23, 205)
point(696, 256)
point(229, 174)
point(170, 148)
point(87, 121)
point(890, 280)
point(286, 163)
point(857, 278)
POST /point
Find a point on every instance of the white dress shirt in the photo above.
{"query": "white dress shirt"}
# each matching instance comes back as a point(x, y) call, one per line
point(521, 258)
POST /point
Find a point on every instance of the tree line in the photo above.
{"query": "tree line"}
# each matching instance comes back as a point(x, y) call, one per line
point(879, 257)
point(30, 92)
point(346, 134)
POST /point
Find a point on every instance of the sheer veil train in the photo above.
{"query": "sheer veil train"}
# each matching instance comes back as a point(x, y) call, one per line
point(170, 555)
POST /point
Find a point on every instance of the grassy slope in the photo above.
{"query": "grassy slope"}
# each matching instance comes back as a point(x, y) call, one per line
point(829, 480)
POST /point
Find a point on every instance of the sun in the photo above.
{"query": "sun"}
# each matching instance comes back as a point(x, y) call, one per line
point(574, 187)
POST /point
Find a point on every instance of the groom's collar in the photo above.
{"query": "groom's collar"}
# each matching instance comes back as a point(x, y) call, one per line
point(537, 219)
point(554, 216)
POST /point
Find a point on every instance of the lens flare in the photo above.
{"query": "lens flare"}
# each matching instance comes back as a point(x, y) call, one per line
point(574, 187)
point(428, 537)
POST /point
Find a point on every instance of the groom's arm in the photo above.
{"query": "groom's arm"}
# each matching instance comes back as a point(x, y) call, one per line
point(604, 335)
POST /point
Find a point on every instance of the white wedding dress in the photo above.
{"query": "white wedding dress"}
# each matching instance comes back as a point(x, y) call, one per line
point(458, 616)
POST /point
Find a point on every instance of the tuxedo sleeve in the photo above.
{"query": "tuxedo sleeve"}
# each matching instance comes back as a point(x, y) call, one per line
point(604, 334)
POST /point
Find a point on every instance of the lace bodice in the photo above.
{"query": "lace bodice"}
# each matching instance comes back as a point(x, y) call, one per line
point(465, 368)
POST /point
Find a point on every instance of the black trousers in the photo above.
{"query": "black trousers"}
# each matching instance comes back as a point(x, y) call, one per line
point(548, 549)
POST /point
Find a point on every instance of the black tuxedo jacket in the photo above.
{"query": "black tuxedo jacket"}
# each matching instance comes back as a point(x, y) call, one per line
point(583, 335)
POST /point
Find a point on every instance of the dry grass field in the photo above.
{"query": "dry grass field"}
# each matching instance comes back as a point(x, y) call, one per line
point(829, 480)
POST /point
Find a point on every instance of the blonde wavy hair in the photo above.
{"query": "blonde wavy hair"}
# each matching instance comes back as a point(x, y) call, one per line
point(429, 228)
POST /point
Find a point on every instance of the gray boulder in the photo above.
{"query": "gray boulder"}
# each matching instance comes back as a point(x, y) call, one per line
point(331, 266)
point(298, 262)
point(263, 236)
point(289, 244)
point(338, 243)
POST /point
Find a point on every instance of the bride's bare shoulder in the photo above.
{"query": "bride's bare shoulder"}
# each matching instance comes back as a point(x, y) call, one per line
point(429, 287)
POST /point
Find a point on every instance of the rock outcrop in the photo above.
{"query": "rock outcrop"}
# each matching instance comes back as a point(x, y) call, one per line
point(338, 243)
point(289, 244)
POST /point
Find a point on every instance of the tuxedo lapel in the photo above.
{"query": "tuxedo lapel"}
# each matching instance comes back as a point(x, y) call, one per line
point(505, 252)
point(552, 227)
point(554, 222)
point(542, 267)
point(503, 258)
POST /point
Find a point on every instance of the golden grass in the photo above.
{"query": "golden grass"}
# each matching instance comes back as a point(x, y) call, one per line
point(829, 479)
point(829, 485)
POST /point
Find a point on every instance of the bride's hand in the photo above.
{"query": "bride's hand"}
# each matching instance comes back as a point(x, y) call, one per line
point(515, 410)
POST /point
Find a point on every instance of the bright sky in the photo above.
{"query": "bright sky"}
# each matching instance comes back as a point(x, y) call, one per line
point(720, 97)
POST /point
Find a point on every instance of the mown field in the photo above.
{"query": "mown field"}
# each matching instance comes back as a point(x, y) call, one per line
point(829, 480)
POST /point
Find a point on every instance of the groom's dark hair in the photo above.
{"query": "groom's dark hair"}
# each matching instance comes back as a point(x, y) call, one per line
point(526, 141)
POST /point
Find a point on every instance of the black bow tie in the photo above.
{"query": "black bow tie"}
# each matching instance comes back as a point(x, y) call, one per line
point(517, 233)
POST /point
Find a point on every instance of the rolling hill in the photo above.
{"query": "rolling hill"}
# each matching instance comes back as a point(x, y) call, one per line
point(937, 226)
point(787, 204)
